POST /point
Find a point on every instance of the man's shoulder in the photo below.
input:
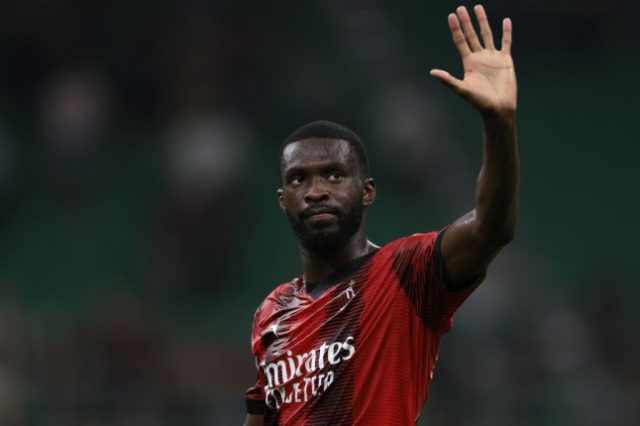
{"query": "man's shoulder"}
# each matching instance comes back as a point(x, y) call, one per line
point(277, 298)
point(412, 239)
point(283, 292)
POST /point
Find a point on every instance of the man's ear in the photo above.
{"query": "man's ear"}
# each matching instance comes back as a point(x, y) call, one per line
point(281, 199)
point(368, 192)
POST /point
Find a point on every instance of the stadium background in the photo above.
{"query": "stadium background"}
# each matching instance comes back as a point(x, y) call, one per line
point(138, 224)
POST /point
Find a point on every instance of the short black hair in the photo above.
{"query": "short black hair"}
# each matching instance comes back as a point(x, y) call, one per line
point(329, 130)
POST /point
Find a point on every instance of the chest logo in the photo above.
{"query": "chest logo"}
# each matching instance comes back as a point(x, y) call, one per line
point(298, 378)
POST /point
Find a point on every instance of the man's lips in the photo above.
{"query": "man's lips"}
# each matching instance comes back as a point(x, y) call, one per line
point(319, 213)
point(320, 217)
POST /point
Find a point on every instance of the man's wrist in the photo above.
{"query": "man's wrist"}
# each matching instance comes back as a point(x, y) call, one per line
point(499, 120)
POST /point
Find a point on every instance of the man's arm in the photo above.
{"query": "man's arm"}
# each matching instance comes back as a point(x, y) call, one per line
point(254, 420)
point(489, 84)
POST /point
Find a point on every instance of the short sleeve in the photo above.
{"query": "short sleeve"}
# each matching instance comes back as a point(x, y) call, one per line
point(418, 265)
point(262, 336)
point(255, 396)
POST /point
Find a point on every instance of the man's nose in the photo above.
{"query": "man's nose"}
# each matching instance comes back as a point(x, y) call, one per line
point(317, 191)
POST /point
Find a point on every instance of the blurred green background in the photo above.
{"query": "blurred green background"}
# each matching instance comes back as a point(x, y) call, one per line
point(139, 231)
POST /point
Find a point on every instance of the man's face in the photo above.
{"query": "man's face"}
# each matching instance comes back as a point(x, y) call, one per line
point(324, 192)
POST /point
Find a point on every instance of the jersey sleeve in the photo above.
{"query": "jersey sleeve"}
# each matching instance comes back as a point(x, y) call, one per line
point(418, 265)
point(255, 396)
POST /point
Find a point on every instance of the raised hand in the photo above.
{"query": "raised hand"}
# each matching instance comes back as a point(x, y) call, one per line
point(489, 81)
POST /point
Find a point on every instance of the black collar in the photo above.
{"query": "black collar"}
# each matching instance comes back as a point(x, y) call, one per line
point(316, 290)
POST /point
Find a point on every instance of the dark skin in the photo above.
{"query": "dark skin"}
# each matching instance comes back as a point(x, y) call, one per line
point(471, 242)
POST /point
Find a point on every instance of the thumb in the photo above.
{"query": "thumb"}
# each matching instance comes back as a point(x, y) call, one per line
point(447, 79)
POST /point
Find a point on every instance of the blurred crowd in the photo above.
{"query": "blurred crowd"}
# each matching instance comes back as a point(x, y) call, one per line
point(138, 229)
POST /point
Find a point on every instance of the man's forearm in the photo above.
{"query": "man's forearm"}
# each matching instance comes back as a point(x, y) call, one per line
point(253, 420)
point(497, 188)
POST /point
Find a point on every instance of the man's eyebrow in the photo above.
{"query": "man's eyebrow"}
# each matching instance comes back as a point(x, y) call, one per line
point(334, 165)
point(292, 170)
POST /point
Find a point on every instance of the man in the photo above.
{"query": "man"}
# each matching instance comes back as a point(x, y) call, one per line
point(355, 339)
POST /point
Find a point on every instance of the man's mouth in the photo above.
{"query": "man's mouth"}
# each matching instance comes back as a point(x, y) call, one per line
point(319, 213)
point(321, 216)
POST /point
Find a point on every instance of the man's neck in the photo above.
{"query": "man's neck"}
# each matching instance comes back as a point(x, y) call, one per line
point(318, 266)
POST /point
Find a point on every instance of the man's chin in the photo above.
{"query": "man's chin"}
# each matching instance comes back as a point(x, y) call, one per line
point(322, 235)
point(322, 240)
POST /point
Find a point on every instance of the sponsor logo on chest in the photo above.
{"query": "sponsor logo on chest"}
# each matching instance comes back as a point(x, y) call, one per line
point(301, 377)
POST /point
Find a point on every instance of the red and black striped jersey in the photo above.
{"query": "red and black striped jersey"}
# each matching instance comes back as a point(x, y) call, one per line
point(363, 352)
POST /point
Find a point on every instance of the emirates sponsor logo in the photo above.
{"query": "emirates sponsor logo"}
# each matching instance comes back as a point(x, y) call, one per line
point(301, 377)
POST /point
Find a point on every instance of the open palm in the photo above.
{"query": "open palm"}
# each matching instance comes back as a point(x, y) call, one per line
point(489, 81)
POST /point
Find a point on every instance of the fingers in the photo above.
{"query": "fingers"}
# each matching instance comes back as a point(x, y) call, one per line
point(506, 35)
point(447, 79)
point(458, 36)
point(465, 37)
point(485, 29)
point(467, 28)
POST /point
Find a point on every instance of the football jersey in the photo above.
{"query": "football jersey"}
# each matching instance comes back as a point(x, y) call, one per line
point(363, 352)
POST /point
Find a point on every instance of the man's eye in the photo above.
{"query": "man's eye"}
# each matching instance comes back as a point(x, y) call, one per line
point(335, 176)
point(295, 180)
